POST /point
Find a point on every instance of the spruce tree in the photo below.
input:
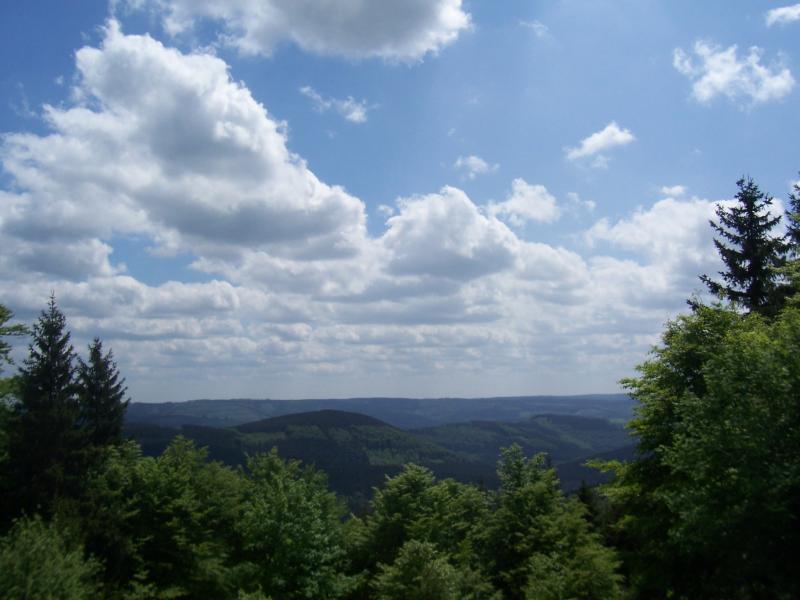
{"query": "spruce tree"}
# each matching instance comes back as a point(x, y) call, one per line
point(43, 440)
point(750, 253)
point(101, 396)
point(8, 331)
point(793, 222)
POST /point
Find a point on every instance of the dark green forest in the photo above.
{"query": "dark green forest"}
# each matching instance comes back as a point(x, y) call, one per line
point(705, 506)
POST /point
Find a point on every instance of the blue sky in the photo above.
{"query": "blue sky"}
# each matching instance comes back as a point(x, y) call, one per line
point(268, 198)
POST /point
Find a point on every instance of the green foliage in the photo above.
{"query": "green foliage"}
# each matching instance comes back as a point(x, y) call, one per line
point(418, 573)
point(793, 221)
point(37, 561)
point(291, 532)
point(413, 507)
point(101, 396)
point(537, 543)
point(710, 507)
point(750, 253)
point(15, 330)
point(164, 524)
point(44, 444)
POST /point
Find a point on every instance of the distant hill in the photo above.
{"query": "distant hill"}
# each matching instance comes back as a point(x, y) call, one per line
point(358, 451)
point(564, 437)
point(405, 413)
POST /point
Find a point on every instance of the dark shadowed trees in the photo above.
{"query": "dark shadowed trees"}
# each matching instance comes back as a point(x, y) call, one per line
point(101, 397)
point(44, 441)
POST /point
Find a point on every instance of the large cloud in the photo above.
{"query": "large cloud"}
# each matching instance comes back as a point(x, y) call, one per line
point(389, 29)
point(163, 147)
point(166, 144)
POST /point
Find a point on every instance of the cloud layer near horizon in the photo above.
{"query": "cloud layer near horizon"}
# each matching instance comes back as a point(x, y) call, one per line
point(163, 146)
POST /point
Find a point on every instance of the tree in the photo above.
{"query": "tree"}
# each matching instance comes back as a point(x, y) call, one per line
point(43, 439)
point(37, 561)
point(537, 543)
point(8, 385)
point(101, 397)
point(8, 331)
point(709, 508)
point(793, 221)
point(164, 526)
point(290, 531)
point(418, 573)
point(412, 515)
point(751, 255)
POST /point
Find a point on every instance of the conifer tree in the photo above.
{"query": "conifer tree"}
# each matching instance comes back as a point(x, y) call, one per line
point(750, 253)
point(8, 331)
point(43, 439)
point(793, 222)
point(101, 397)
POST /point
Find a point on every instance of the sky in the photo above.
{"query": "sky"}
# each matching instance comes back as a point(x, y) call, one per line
point(331, 198)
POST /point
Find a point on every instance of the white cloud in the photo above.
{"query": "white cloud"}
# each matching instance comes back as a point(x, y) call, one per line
point(177, 151)
point(539, 29)
point(385, 210)
point(674, 191)
point(295, 297)
point(674, 235)
point(783, 15)
point(527, 203)
point(404, 30)
point(609, 137)
point(445, 235)
point(474, 166)
point(353, 110)
point(720, 71)
point(576, 203)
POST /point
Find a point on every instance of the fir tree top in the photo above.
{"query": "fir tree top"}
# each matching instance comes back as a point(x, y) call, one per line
point(750, 253)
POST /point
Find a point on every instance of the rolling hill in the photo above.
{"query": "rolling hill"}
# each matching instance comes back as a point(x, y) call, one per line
point(358, 451)
point(401, 412)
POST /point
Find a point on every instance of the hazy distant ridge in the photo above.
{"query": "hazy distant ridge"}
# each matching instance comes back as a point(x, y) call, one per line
point(406, 413)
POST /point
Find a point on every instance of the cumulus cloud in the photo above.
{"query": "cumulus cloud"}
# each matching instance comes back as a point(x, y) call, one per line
point(474, 165)
point(445, 235)
point(673, 234)
point(527, 203)
point(404, 30)
point(294, 296)
point(611, 136)
point(167, 145)
point(352, 110)
point(715, 71)
point(783, 15)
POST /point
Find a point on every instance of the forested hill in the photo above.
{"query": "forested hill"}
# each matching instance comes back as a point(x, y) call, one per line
point(357, 451)
point(401, 412)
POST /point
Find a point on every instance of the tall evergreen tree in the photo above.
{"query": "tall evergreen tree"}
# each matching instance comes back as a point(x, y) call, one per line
point(8, 331)
point(101, 397)
point(750, 253)
point(793, 222)
point(43, 439)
